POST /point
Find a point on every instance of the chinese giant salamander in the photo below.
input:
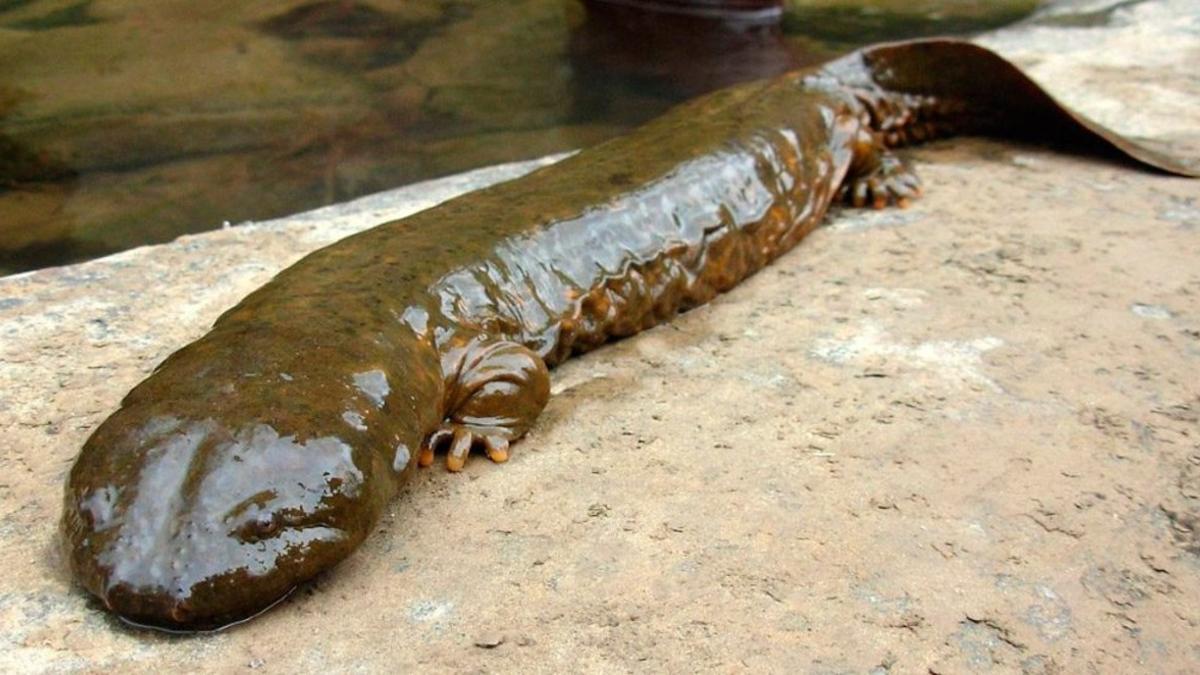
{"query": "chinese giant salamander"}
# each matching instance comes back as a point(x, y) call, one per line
point(264, 452)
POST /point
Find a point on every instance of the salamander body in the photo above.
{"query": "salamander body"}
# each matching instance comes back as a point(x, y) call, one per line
point(264, 452)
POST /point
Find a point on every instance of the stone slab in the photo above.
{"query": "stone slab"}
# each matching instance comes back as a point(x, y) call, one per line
point(964, 437)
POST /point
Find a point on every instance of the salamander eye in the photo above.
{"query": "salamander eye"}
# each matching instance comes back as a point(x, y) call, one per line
point(264, 526)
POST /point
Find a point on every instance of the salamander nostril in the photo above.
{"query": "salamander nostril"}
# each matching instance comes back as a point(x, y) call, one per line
point(182, 612)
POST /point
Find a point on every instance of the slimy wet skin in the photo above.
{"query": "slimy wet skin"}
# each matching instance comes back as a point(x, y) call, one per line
point(264, 452)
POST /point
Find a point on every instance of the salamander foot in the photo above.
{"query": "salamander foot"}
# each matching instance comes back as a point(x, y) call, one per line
point(887, 182)
point(495, 391)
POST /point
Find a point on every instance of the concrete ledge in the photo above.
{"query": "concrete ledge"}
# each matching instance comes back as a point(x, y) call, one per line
point(962, 437)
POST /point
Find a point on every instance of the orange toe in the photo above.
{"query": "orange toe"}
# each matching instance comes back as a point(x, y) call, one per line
point(426, 456)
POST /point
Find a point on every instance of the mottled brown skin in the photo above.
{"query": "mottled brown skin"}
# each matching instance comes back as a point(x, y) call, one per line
point(264, 452)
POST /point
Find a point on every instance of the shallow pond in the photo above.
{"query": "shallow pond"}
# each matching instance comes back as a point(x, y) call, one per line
point(124, 123)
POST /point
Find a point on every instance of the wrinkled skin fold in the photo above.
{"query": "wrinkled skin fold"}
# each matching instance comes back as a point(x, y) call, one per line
point(264, 452)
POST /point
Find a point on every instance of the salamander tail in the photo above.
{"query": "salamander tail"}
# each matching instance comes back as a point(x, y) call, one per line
point(965, 88)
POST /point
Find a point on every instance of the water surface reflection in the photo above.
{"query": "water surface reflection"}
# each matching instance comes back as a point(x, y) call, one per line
point(125, 123)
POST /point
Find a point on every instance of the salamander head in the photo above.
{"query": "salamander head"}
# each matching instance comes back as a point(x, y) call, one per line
point(188, 525)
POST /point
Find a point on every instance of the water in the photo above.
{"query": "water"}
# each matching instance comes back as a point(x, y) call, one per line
point(124, 123)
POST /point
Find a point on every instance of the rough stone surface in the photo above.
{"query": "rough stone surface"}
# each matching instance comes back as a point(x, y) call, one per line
point(963, 437)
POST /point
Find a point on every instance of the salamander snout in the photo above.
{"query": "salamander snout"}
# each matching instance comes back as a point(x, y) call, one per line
point(188, 525)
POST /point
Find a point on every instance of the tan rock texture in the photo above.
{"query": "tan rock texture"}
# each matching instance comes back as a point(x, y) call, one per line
point(963, 437)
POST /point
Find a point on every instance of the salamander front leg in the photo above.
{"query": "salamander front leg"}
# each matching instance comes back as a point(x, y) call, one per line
point(878, 178)
point(495, 391)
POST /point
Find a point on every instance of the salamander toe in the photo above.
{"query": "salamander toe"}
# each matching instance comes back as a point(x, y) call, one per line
point(457, 441)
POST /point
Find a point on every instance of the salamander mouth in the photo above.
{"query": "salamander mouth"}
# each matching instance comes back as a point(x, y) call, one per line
point(195, 593)
point(182, 619)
